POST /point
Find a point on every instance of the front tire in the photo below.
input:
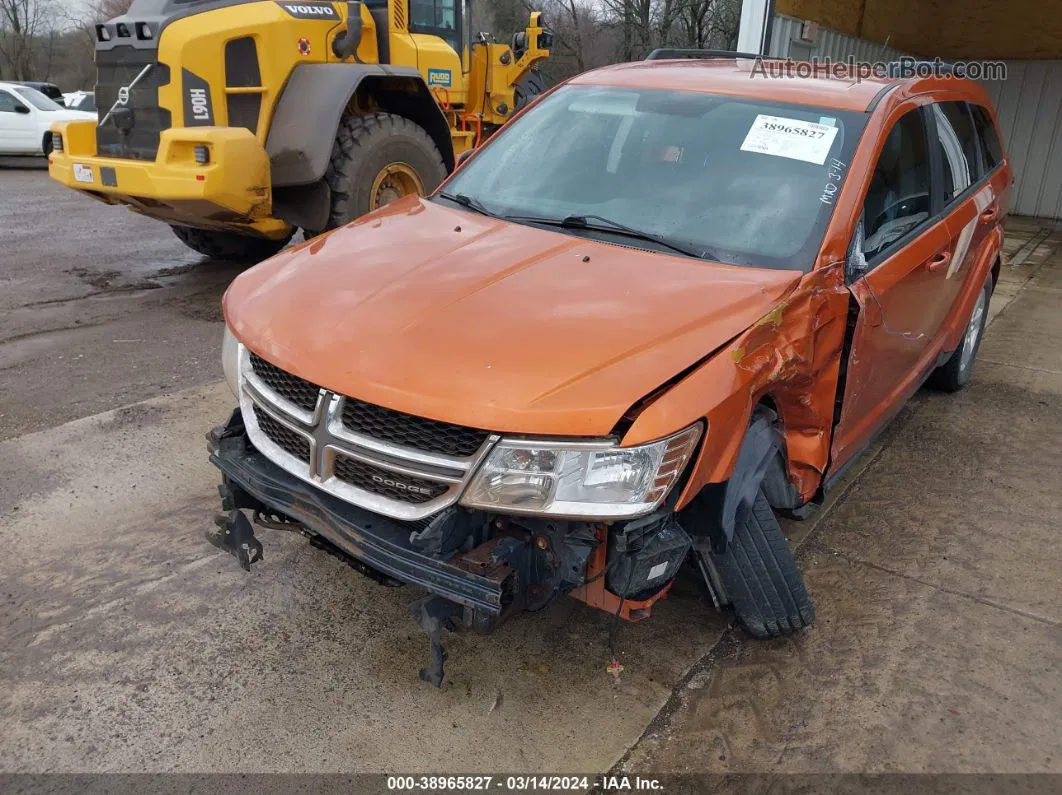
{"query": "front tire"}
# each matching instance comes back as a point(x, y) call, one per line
point(955, 373)
point(228, 246)
point(376, 159)
point(760, 579)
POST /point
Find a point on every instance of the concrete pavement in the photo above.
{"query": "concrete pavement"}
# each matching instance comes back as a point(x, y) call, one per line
point(129, 643)
point(938, 583)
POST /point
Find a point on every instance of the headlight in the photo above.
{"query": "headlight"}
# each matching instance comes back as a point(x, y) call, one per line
point(592, 479)
point(230, 361)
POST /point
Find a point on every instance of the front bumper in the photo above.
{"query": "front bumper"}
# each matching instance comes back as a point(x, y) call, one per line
point(374, 540)
point(231, 192)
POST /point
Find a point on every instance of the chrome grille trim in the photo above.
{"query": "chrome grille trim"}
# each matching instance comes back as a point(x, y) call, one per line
point(328, 438)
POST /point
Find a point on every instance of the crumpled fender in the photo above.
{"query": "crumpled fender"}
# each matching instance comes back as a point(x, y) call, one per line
point(789, 360)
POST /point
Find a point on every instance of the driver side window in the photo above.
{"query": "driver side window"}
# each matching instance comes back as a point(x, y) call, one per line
point(8, 103)
point(898, 200)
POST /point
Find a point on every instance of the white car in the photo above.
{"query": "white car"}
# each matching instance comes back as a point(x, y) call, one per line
point(25, 116)
point(80, 100)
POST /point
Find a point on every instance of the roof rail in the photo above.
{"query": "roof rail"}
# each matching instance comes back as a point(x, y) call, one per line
point(665, 53)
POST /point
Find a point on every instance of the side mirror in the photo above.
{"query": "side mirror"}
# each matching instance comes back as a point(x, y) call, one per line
point(22, 109)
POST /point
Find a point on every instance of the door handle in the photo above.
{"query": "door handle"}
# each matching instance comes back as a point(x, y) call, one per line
point(989, 214)
point(939, 261)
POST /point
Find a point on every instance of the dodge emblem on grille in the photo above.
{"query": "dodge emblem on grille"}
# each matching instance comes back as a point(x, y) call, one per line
point(394, 484)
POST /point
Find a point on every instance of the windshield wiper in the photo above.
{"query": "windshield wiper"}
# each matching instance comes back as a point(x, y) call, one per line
point(608, 225)
point(468, 201)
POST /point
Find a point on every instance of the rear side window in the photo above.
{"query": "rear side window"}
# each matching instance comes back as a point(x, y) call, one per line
point(955, 165)
point(961, 121)
point(899, 197)
point(990, 146)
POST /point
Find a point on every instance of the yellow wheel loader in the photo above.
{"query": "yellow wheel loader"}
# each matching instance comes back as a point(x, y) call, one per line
point(239, 121)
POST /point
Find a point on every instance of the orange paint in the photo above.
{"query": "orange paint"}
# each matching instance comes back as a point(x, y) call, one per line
point(442, 313)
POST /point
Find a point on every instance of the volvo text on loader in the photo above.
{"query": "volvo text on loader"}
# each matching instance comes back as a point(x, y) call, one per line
point(239, 121)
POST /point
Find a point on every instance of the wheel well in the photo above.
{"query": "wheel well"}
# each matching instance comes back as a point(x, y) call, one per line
point(408, 97)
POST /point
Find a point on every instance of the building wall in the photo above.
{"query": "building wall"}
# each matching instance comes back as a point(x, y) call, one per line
point(974, 29)
point(829, 43)
point(1029, 106)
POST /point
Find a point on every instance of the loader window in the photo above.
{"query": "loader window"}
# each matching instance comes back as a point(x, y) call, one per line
point(748, 182)
point(437, 18)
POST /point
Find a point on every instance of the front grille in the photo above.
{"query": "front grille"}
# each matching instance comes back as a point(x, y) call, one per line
point(398, 465)
point(134, 130)
point(385, 483)
point(407, 430)
point(298, 390)
point(282, 436)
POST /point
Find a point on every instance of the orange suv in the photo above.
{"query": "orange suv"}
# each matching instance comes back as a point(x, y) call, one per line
point(670, 301)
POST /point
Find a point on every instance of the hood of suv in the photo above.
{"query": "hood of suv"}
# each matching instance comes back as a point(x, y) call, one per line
point(446, 314)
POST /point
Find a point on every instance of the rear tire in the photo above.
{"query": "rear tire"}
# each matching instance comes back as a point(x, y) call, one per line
point(954, 373)
point(228, 246)
point(760, 578)
point(365, 147)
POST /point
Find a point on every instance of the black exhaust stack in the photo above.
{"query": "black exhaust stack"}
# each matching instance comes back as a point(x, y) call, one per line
point(346, 43)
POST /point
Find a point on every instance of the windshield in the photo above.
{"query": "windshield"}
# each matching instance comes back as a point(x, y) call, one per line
point(736, 180)
point(36, 98)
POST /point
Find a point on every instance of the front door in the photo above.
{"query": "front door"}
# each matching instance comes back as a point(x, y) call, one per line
point(903, 248)
point(17, 129)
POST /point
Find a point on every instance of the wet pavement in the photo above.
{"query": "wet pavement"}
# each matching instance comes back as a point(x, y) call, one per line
point(938, 583)
point(129, 643)
point(99, 307)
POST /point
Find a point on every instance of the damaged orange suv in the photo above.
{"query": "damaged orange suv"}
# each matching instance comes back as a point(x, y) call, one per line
point(669, 302)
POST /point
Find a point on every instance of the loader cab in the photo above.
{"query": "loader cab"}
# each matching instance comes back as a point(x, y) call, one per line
point(429, 34)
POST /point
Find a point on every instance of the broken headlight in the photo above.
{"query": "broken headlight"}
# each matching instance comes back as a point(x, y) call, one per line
point(580, 479)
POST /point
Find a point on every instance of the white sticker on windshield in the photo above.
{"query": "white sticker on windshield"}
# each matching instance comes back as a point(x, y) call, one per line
point(792, 138)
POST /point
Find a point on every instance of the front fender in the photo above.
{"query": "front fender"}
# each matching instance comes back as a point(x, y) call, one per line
point(307, 116)
point(789, 360)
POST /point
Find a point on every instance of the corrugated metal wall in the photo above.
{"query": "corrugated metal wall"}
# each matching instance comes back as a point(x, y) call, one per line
point(1029, 106)
point(1028, 102)
point(830, 43)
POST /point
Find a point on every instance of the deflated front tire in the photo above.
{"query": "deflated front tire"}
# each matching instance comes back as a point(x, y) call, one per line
point(760, 578)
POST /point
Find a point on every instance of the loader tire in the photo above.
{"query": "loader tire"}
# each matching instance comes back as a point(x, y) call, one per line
point(527, 90)
point(366, 147)
point(228, 246)
point(760, 577)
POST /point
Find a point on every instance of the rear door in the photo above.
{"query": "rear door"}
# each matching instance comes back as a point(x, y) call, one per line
point(903, 248)
point(970, 202)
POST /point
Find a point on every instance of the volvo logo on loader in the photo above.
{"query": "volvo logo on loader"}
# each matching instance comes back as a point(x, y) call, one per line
point(124, 94)
point(310, 10)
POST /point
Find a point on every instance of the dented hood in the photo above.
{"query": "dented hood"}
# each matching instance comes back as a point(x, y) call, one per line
point(447, 314)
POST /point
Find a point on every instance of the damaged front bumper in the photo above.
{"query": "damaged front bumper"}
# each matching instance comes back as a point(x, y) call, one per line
point(478, 568)
point(382, 544)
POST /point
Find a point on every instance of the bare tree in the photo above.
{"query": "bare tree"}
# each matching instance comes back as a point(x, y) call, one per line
point(23, 23)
